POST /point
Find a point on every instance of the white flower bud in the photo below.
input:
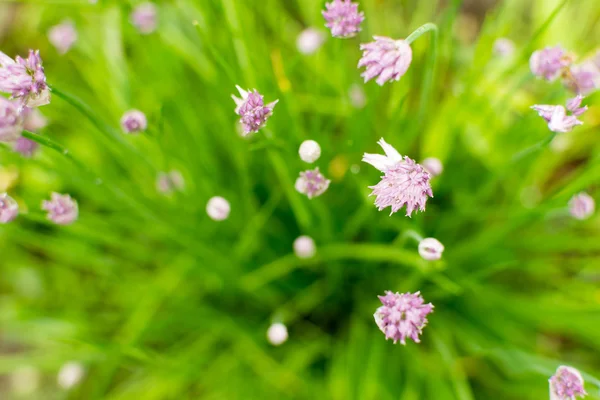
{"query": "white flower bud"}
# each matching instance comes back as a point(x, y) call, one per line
point(433, 165)
point(304, 247)
point(309, 151)
point(218, 208)
point(431, 249)
point(277, 334)
point(70, 374)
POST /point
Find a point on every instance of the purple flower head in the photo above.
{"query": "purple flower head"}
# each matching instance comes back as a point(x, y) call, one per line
point(312, 183)
point(9, 209)
point(11, 121)
point(404, 181)
point(144, 18)
point(582, 206)
point(549, 62)
point(169, 182)
point(386, 58)
point(583, 78)
point(62, 209)
point(343, 18)
point(24, 79)
point(503, 47)
point(252, 110)
point(556, 116)
point(402, 316)
point(26, 147)
point(63, 36)
point(566, 384)
point(134, 121)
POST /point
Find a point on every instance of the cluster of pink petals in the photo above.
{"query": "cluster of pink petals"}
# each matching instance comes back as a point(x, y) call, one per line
point(252, 110)
point(24, 79)
point(566, 384)
point(550, 62)
point(583, 78)
point(402, 316)
point(145, 18)
point(11, 120)
point(404, 181)
point(385, 58)
point(312, 183)
point(343, 18)
point(556, 116)
point(582, 206)
point(33, 120)
point(134, 121)
point(61, 208)
point(9, 209)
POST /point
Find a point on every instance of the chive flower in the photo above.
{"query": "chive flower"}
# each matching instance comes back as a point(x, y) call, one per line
point(24, 79)
point(402, 316)
point(312, 183)
point(343, 18)
point(385, 58)
point(11, 120)
point(252, 110)
point(9, 209)
point(61, 208)
point(63, 36)
point(566, 384)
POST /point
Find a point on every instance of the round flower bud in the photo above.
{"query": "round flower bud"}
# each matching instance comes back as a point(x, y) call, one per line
point(62, 209)
point(134, 121)
point(433, 165)
point(70, 374)
point(9, 209)
point(304, 247)
point(218, 208)
point(309, 41)
point(431, 249)
point(145, 18)
point(277, 334)
point(309, 151)
point(581, 206)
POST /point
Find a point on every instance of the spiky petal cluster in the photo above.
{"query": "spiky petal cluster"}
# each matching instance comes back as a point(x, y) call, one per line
point(144, 18)
point(312, 183)
point(11, 120)
point(402, 316)
point(582, 206)
point(24, 79)
point(556, 116)
point(550, 62)
point(9, 209)
point(252, 110)
point(404, 181)
point(343, 18)
point(134, 121)
point(62, 209)
point(385, 58)
point(583, 78)
point(566, 384)
point(63, 36)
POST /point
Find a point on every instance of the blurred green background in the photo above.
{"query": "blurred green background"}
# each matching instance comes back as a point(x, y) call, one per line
point(157, 301)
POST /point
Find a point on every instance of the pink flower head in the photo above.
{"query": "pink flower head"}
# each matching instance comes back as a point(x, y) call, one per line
point(252, 110)
point(312, 183)
point(433, 165)
point(503, 47)
point(24, 79)
point(134, 121)
point(169, 182)
point(386, 58)
point(556, 116)
point(26, 147)
point(63, 36)
point(549, 62)
point(566, 384)
point(33, 120)
point(11, 121)
point(9, 209)
point(404, 181)
point(343, 18)
point(62, 209)
point(402, 316)
point(583, 78)
point(582, 206)
point(144, 18)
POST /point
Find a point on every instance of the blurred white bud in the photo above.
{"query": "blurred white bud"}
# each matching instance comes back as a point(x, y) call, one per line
point(309, 41)
point(581, 206)
point(70, 374)
point(309, 151)
point(277, 334)
point(431, 249)
point(503, 47)
point(304, 247)
point(358, 99)
point(218, 208)
point(433, 165)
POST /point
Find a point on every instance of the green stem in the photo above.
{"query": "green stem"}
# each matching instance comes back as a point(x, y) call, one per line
point(47, 142)
point(430, 26)
point(536, 147)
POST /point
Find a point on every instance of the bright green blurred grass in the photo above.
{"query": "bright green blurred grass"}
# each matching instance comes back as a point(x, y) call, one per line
point(160, 302)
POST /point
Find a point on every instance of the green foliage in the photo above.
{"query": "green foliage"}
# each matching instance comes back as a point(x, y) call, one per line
point(160, 302)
